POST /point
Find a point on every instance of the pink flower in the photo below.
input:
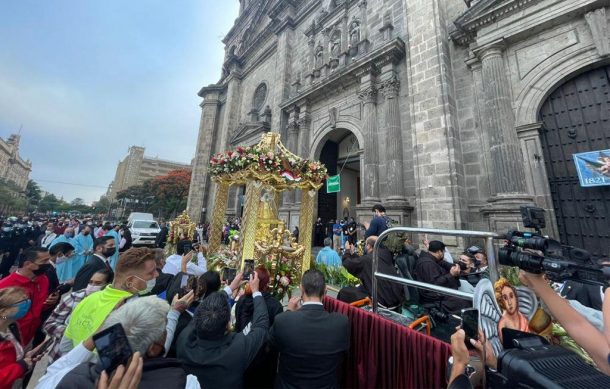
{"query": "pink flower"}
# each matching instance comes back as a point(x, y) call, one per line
point(284, 281)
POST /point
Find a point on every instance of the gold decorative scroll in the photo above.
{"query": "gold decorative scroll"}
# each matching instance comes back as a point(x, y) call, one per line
point(249, 223)
point(218, 217)
point(306, 226)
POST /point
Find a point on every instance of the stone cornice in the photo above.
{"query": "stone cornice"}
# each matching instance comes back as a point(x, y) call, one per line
point(369, 63)
point(482, 14)
point(212, 88)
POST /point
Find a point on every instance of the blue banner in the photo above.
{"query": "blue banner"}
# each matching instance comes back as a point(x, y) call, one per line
point(593, 168)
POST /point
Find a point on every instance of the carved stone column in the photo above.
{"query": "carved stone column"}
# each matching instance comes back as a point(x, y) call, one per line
point(506, 158)
point(393, 141)
point(370, 185)
point(508, 187)
point(200, 184)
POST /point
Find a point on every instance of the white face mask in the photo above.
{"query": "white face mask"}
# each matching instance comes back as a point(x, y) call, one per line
point(150, 284)
point(92, 289)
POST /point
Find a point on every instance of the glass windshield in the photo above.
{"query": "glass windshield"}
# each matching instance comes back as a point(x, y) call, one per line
point(145, 224)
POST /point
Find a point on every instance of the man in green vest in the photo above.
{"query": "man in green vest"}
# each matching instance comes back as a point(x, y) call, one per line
point(135, 274)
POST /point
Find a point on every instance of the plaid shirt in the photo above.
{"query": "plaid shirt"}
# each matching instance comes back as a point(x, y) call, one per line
point(58, 321)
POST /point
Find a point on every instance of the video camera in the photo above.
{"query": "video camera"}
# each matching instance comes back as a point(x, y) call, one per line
point(537, 254)
point(528, 361)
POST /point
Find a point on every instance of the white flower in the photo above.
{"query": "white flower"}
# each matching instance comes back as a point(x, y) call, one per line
point(284, 281)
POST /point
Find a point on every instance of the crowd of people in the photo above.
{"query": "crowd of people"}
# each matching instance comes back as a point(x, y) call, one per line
point(185, 326)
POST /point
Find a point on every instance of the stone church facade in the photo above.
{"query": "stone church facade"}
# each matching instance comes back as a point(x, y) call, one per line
point(452, 113)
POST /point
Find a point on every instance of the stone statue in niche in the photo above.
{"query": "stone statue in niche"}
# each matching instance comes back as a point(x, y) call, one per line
point(319, 56)
point(354, 36)
point(332, 115)
point(335, 44)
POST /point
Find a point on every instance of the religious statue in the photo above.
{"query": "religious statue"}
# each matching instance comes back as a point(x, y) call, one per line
point(506, 296)
point(280, 243)
point(319, 57)
point(335, 44)
point(267, 215)
point(354, 32)
point(504, 306)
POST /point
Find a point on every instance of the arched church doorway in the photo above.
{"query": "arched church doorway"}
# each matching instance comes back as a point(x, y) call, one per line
point(341, 154)
point(576, 119)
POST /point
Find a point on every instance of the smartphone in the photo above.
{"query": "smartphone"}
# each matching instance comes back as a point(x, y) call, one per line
point(248, 268)
point(228, 274)
point(187, 248)
point(62, 289)
point(470, 324)
point(43, 347)
point(112, 347)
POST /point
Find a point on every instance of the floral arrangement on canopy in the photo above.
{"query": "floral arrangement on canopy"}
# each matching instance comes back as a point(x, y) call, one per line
point(224, 258)
point(267, 161)
point(283, 276)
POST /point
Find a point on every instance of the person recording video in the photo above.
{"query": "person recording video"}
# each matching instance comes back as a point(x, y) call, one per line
point(593, 341)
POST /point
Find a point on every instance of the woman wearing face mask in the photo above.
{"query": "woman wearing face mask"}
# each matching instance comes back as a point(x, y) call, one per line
point(14, 362)
point(57, 322)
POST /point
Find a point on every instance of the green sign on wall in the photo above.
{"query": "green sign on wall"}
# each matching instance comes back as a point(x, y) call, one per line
point(333, 184)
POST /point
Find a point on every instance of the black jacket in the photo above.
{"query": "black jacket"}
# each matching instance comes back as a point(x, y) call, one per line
point(162, 373)
point(390, 294)
point(263, 369)
point(92, 266)
point(429, 269)
point(221, 363)
point(312, 344)
point(161, 237)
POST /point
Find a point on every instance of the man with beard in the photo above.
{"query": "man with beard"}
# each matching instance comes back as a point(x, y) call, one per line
point(103, 248)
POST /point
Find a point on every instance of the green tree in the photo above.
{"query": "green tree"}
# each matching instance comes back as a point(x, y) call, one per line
point(33, 195)
point(49, 203)
point(77, 202)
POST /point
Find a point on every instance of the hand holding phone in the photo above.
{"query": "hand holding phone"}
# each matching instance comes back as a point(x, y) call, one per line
point(470, 325)
point(112, 347)
point(248, 268)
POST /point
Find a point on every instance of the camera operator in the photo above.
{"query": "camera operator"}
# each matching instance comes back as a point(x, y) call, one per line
point(594, 342)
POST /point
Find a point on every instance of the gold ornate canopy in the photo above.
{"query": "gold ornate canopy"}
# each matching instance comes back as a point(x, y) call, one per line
point(181, 226)
point(271, 168)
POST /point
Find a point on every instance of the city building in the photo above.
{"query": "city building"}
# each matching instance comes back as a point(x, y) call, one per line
point(137, 168)
point(12, 167)
point(452, 113)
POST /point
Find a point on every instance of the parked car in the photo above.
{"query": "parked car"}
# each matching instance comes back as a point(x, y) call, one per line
point(143, 232)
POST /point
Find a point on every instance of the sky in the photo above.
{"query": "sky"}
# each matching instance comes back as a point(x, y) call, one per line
point(87, 79)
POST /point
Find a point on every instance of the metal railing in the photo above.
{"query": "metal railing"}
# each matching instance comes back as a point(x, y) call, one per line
point(489, 250)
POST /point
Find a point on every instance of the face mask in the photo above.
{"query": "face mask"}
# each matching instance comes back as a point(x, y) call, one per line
point(92, 289)
point(23, 308)
point(150, 284)
point(109, 252)
point(42, 269)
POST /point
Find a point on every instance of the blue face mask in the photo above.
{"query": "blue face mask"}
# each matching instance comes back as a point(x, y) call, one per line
point(23, 308)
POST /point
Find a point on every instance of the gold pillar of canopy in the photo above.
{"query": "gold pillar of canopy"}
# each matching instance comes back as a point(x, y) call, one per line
point(271, 168)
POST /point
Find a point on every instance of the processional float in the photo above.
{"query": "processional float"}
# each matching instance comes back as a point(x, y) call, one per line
point(266, 169)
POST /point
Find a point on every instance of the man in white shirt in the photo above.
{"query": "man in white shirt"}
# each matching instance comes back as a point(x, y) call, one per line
point(49, 236)
point(173, 262)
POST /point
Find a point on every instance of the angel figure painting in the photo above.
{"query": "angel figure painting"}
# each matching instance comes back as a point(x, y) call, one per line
point(503, 306)
point(506, 296)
